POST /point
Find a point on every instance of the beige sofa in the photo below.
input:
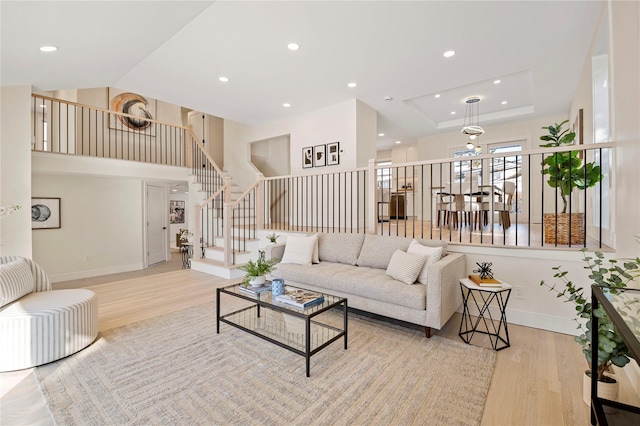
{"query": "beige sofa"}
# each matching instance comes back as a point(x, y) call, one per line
point(356, 266)
point(37, 324)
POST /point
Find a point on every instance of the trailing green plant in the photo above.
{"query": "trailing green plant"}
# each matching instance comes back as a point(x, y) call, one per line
point(261, 266)
point(611, 348)
point(272, 237)
point(565, 169)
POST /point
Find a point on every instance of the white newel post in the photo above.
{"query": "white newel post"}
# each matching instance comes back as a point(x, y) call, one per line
point(197, 236)
point(260, 204)
point(227, 229)
point(372, 206)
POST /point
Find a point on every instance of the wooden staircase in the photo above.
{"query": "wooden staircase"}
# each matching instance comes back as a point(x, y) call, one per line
point(213, 260)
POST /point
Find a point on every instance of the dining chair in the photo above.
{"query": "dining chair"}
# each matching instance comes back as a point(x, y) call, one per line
point(502, 204)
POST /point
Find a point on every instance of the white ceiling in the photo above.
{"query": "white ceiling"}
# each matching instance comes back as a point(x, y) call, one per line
point(176, 50)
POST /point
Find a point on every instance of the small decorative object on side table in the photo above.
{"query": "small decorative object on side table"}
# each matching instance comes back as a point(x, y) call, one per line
point(482, 297)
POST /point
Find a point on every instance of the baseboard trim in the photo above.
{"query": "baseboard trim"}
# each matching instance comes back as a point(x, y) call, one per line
point(77, 275)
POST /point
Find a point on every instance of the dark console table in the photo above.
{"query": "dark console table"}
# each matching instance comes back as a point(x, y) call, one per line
point(623, 309)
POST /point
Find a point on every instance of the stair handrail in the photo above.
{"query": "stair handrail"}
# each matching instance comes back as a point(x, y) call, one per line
point(108, 111)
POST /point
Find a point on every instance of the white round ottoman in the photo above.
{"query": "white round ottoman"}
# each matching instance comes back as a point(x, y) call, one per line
point(45, 326)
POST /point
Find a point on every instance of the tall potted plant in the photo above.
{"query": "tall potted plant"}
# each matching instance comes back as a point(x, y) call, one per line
point(566, 171)
point(611, 348)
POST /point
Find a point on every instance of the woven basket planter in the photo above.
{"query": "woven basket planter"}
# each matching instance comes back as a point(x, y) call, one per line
point(561, 224)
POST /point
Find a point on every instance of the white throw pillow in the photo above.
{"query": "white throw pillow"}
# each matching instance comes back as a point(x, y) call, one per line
point(431, 254)
point(405, 267)
point(314, 257)
point(299, 250)
point(16, 280)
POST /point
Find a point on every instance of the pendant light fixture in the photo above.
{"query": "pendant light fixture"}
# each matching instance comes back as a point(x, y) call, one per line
point(472, 121)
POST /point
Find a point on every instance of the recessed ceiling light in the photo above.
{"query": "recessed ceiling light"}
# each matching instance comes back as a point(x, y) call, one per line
point(380, 134)
point(449, 53)
point(286, 105)
point(497, 81)
point(352, 85)
point(48, 49)
point(504, 102)
point(223, 79)
point(174, 190)
point(388, 98)
point(438, 95)
point(453, 113)
point(293, 46)
point(398, 141)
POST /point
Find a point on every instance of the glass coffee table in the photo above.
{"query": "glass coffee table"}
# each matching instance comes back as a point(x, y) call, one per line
point(299, 330)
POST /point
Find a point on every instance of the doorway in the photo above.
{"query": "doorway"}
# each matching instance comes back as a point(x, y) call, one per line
point(156, 220)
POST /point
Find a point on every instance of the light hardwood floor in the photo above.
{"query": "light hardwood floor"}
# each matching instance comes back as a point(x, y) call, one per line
point(537, 381)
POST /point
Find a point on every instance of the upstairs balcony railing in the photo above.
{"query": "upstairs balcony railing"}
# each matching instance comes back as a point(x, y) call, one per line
point(65, 127)
point(500, 199)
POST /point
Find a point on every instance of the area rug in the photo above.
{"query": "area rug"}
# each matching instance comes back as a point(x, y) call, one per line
point(175, 369)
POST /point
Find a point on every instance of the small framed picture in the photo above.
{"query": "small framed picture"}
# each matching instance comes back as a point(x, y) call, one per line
point(320, 155)
point(307, 157)
point(333, 153)
point(176, 211)
point(45, 213)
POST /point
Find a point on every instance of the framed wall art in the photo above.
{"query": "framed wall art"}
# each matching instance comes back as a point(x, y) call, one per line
point(45, 213)
point(333, 153)
point(176, 211)
point(132, 104)
point(319, 155)
point(307, 157)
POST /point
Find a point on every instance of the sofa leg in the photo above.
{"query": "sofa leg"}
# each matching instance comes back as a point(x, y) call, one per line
point(427, 332)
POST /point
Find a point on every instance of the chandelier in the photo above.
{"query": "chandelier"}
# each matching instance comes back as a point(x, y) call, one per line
point(472, 121)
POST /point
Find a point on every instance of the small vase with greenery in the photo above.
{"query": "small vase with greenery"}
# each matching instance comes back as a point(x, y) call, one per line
point(611, 348)
point(257, 269)
point(272, 237)
point(565, 169)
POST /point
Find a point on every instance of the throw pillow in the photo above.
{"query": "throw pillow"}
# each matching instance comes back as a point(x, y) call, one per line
point(314, 257)
point(16, 280)
point(405, 267)
point(432, 255)
point(377, 250)
point(299, 249)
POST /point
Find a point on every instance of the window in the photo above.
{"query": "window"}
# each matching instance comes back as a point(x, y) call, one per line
point(383, 175)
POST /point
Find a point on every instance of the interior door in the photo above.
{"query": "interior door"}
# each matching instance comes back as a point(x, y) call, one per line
point(157, 213)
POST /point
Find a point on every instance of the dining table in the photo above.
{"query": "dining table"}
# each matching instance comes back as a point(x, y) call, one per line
point(475, 192)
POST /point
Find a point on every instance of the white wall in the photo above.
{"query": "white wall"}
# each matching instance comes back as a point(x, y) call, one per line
point(101, 226)
point(15, 169)
point(336, 123)
point(624, 18)
point(366, 134)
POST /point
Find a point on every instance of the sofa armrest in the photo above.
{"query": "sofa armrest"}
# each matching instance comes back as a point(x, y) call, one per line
point(274, 251)
point(443, 288)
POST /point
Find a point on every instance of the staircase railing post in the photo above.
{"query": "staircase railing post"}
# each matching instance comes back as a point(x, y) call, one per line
point(260, 202)
point(371, 205)
point(197, 227)
point(228, 233)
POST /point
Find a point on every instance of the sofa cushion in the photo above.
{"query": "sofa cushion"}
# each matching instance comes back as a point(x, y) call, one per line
point(339, 247)
point(377, 250)
point(405, 267)
point(300, 249)
point(431, 254)
point(16, 280)
point(372, 283)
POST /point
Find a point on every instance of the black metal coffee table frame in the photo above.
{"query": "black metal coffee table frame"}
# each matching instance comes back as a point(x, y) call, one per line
point(248, 319)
